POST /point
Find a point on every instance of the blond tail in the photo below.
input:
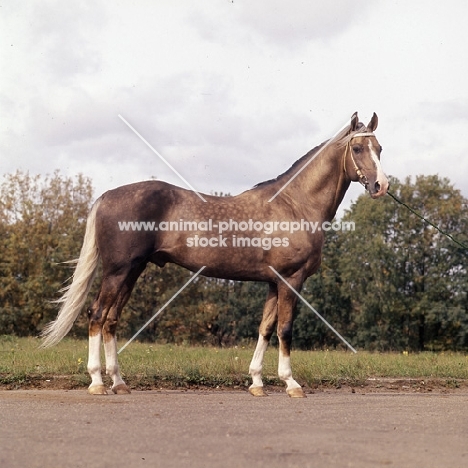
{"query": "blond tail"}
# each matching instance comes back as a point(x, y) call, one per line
point(75, 294)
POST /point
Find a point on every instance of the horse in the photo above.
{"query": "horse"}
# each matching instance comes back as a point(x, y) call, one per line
point(262, 234)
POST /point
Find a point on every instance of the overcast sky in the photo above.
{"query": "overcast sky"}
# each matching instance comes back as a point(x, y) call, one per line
point(229, 92)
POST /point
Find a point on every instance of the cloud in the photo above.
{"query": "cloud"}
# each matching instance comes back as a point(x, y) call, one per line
point(447, 112)
point(232, 94)
point(193, 120)
point(286, 25)
point(64, 39)
point(225, 149)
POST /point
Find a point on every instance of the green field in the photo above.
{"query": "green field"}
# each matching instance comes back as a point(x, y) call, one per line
point(147, 366)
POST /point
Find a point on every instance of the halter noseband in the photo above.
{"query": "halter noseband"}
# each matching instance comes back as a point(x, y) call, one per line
point(362, 178)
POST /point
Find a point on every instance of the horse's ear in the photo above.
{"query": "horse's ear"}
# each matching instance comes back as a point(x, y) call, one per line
point(373, 123)
point(354, 122)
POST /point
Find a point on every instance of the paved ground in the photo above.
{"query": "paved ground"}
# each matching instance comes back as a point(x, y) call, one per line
point(232, 429)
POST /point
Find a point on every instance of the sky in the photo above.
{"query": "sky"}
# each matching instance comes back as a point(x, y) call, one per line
point(229, 92)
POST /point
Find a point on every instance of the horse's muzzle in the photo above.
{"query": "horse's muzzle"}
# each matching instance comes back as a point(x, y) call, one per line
point(378, 188)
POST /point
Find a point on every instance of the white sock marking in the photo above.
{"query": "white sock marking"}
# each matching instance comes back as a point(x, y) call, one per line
point(256, 366)
point(94, 360)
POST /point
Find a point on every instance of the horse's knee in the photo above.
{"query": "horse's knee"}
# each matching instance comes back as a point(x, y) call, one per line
point(266, 330)
point(285, 332)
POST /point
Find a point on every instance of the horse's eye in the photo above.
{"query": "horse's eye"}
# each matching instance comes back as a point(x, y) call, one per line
point(357, 149)
point(380, 148)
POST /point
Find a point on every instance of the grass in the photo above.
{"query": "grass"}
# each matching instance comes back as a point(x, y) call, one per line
point(146, 366)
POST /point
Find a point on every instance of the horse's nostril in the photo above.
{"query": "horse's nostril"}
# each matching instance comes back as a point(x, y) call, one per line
point(377, 187)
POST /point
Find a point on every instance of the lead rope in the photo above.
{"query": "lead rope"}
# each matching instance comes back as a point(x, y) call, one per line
point(461, 244)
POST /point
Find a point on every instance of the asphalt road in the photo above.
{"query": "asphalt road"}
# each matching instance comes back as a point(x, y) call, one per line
point(232, 429)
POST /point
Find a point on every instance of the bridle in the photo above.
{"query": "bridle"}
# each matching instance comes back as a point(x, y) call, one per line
point(362, 178)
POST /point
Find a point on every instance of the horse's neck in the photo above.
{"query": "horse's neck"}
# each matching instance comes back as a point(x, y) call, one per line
point(322, 185)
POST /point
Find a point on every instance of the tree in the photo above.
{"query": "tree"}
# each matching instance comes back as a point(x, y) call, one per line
point(42, 224)
point(394, 283)
point(210, 311)
point(324, 292)
point(407, 282)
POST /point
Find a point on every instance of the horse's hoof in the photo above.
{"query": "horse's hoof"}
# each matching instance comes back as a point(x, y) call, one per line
point(296, 393)
point(257, 392)
point(97, 390)
point(121, 389)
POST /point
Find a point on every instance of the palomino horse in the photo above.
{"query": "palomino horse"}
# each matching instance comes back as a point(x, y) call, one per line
point(255, 241)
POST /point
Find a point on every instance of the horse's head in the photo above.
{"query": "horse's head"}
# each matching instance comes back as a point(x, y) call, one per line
point(362, 157)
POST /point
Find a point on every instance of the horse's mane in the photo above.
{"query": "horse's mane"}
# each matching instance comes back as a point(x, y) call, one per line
point(340, 139)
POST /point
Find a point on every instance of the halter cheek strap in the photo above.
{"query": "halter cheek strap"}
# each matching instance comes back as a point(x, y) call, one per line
point(362, 178)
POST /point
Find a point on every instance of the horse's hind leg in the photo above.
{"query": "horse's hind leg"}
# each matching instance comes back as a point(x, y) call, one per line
point(112, 365)
point(94, 363)
point(103, 319)
point(267, 327)
point(110, 346)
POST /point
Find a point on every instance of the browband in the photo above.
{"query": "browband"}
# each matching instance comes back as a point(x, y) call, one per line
point(362, 134)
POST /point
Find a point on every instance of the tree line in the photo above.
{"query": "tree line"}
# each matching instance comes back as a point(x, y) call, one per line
point(394, 283)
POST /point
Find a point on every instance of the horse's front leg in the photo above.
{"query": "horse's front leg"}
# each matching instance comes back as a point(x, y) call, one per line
point(256, 366)
point(286, 303)
point(267, 327)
